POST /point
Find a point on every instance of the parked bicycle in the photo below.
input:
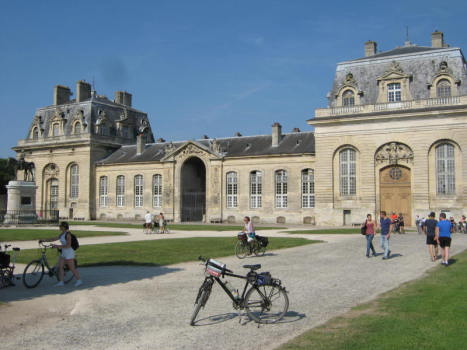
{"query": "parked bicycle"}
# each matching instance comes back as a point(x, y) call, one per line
point(265, 301)
point(7, 268)
point(257, 246)
point(35, 270)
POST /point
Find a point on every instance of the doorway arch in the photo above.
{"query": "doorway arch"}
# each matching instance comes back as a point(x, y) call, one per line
point(193, 186)
point(396, 191)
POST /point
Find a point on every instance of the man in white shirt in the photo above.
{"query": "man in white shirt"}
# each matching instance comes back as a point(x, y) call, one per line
point(148, 222)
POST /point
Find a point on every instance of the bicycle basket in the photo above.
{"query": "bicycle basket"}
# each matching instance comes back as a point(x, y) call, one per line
point(263, 279)
point(242, 236)
point(215, 268)
point(4, 259)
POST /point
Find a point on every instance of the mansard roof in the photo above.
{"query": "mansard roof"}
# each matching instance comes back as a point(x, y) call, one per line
point(241, 146)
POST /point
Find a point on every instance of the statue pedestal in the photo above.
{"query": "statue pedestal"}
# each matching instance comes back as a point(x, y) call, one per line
point(21, 204)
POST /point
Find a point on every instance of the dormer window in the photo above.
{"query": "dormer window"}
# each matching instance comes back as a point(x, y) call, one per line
point(35, 133)
point(56, 129)
point(443, 88)
point(78, 128)
point(348, 98)
point(394, 92)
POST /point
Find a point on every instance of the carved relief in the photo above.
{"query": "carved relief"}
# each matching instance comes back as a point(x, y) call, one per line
point(51, 170)
point(191, 150)
point(394, 153)
point(216, 146)
point(169, 148)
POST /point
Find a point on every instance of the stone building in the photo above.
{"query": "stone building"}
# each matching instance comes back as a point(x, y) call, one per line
point(391, 139)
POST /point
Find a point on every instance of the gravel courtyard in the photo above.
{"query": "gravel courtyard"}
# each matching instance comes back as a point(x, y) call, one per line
point(150, 307)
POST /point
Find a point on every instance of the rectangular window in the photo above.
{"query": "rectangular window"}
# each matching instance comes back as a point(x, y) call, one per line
point(55, 129)
point(348, 173)
point(308, 189)
point(157, 191)
point(445, 169)
point(54, 194)
point(281, 189)
point(120, 191)
point(232, 190)
point(103, 192)
point(138, 191)
point(74, 181)
point(394, 92)
point(256, 189)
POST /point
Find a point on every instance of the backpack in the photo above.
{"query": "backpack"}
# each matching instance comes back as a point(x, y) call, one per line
point(74, 241)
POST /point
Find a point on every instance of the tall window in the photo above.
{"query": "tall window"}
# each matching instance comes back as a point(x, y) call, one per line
point(394, 92)
point(55, 129)
point(232, 190)
point(120, 191)
point(138, 191)
point(53, 194)
point(78, 128)
point(74, 181)
point(35, 133)
point(308, 188)
point(256, 189)
point(445, 169)
point(348, 98)
point(104, 129)
point(443, 88)
point(348, 176)
point(281, 189)
point(103, 192)
point(157, 191)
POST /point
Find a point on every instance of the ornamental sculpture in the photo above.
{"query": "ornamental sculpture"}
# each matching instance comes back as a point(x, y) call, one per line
point(394, 153)
point(51, 170)
point(190, 149)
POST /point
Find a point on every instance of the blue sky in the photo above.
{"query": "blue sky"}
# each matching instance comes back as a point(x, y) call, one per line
point(200, 67)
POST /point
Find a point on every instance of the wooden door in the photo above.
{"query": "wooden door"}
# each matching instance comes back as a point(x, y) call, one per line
point(396, 192)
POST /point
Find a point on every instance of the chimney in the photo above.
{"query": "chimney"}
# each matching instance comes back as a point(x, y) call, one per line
point(370, 48)
point(140, 143)
point(123, 98)
point(61, 94)
point(83, 91)
point(437, 39)
point(276, 134)
point(296, 130)
point(237, 134)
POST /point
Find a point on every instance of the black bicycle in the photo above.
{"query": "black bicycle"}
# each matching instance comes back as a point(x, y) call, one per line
point(265, 301)
point(257, 246)
point(7, 268)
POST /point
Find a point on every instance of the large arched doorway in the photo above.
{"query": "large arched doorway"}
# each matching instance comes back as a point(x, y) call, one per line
point(395, 191)
point(193, 185)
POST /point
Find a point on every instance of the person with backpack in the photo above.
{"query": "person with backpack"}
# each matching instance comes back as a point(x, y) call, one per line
point(68, 245)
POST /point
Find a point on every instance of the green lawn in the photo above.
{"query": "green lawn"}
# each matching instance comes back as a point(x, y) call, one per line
point(175, 227)
point(19, 234)
point(159, 252)
point(326, 231)
point(430, 313)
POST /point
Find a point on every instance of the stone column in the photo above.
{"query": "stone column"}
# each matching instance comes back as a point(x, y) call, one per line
point(21, 205)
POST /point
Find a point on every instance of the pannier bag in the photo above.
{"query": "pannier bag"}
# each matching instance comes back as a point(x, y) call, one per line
point(242, 236)
point(264, 241)
point(4, 259)
point(215, 268)
point(263, 279)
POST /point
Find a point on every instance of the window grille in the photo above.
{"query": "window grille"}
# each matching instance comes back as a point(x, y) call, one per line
point(103, 192)
point(74, 181)
point(394, 92)
point(348, 98)
point(120, 191)
point(157, 191)
point(256, 189)
point(308, 188)
point(443, 88)
point(348, 177)
point(445, 169)
point(281, 189)
point(232, 190)
point(138, 191)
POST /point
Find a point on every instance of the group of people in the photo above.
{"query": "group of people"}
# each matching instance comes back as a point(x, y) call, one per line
point(398, 223)
point(460, 226)
point(438, 233)
point(153, 221)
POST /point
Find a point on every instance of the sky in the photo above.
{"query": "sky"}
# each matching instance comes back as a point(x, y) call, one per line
point(206, 67)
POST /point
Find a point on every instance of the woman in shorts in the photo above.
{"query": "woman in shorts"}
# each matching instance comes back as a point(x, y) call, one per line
point(67, 255)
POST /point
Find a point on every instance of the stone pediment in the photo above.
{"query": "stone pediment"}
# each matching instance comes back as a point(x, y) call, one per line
point(394, 72)
point(190, 148)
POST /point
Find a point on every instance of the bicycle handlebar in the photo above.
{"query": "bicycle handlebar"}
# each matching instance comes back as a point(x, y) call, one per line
point(206, 261)
point(45, 245)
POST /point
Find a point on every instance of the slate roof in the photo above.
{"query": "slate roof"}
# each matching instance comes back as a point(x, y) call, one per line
point(403, 50)
point(243, 146)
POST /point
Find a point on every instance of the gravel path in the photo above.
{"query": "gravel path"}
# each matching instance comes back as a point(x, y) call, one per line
point(150, 307)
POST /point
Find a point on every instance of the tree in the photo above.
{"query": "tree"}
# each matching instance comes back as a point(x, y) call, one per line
point(7, 173)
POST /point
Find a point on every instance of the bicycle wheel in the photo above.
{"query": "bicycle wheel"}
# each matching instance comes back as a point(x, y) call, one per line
point(201, 300)
point(266, 304)
point(258, 249)
point(33, 274)
point(241, 249)
point(67, 274)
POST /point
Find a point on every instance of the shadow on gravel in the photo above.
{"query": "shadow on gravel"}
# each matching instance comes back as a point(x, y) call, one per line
point(396, 255)
point(92, 277)
point(215, 319)
point(289, 317)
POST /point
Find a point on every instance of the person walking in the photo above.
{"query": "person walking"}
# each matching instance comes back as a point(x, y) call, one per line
point(370, 227)
point(401, 223)
point(443, 237)
point(429, 228)
point(162, 223)
point(148, 222)
point(386, 229)
point(418, 223)
point(67, 254)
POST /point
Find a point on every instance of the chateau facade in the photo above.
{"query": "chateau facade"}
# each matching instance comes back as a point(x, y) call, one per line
point(392, 138)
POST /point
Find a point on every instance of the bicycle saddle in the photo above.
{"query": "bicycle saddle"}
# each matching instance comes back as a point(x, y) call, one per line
point(17, 249)
point(252, 267)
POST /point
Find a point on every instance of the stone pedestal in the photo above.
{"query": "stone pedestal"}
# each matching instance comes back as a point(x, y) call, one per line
point(21, 204)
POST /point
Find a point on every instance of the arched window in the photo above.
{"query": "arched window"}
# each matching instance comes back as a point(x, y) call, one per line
point(103, 191)
point(53, 194)
point(347, 172)
point(394, 92)
point(74, 181)
point(443, 88)
point(281, 189)
point(77, 128)
point(308, 188)
point(120, 191)
point(157, 191)
point(35, 133)
point(348, 98)
point(256, 189)
point(232, 189)
point(138, 191)
point(445, 169)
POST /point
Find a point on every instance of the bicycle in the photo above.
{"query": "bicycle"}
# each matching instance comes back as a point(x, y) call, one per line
point(265, 302)
point(6, 268)
point(244, 248)
point(34, 271)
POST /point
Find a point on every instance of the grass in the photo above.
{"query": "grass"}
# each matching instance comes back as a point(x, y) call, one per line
point(10, 235)
point(175, 227)
point(430, 313)
point(158, 252)
point(326, 231)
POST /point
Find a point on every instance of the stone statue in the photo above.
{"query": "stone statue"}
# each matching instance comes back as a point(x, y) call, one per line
point(21, 164)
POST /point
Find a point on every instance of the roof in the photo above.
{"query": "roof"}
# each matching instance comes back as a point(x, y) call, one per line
point(243, 146)
point(403, 50)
